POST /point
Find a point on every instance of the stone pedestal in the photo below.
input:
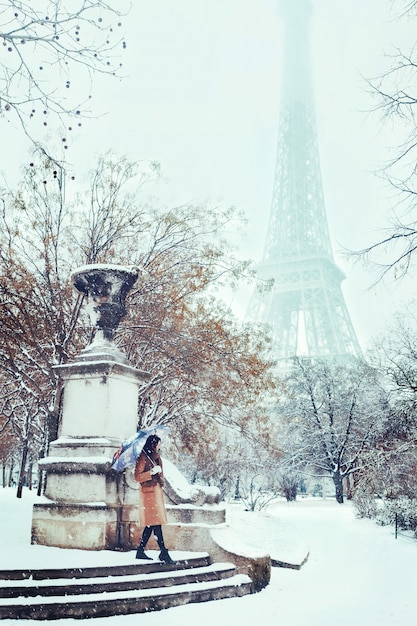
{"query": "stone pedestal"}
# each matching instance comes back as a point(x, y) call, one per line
point(84, 501)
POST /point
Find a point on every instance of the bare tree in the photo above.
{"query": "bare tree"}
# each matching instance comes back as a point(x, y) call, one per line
point(22, 424)
point(395, 356)
point(330, 417)
point(405, 7)
point(243, 469)
point(49, 54)
point(289, 483)
point(395, 94)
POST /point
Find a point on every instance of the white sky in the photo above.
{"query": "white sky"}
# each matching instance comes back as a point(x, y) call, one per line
point(202, 97)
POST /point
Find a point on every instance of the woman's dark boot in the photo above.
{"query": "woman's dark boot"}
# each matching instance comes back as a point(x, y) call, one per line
point(140, 552)
point(165, 557)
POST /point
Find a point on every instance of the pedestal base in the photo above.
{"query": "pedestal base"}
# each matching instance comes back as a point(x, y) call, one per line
point(86, 526)
point(86, 505)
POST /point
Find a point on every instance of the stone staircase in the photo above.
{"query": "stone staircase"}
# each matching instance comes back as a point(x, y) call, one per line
point(47, 594)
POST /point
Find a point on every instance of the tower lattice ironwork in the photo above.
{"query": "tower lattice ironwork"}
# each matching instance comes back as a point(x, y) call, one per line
point(305, 307)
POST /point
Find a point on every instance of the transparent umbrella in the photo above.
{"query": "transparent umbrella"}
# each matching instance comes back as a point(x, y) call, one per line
point(131, 448)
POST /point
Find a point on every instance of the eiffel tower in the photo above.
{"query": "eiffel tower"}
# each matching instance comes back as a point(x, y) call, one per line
point(305, 308)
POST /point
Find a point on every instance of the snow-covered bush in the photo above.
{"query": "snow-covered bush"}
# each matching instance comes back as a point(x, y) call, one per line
point(365, 504)
point(401, 510)
point(254, 494)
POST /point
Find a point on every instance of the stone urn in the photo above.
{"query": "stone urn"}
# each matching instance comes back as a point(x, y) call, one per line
point(105, 287)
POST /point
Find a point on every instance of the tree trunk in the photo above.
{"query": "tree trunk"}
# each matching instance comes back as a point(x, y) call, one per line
point(40, 480)
point(237, 488)
point(349, 487)
point(338, 484)
point(11, 474)
point(30, 475)
point(22, 470)
point(53, 427)
point(53, 418)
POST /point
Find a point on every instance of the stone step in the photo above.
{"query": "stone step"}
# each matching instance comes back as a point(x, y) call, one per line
point(61, 587)
point(138, 567)
point(116, 590)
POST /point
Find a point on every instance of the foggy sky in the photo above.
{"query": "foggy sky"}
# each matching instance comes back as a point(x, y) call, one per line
point(202, 97)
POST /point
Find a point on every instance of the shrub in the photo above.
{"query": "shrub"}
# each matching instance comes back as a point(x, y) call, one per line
point(402, 508)
point(365, 504)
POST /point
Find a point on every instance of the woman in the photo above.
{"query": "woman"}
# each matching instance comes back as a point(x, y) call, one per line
point(152, 513)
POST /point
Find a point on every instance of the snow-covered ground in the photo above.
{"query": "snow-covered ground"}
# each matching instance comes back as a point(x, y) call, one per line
point(357, 572)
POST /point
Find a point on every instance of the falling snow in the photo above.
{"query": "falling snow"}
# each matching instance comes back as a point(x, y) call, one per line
point(357, 572)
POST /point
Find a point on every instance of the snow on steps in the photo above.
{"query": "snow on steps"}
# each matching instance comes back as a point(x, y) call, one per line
point(116, 590)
